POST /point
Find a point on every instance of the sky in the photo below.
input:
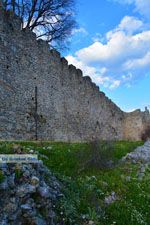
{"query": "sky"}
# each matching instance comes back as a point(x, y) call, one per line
point(112, 46)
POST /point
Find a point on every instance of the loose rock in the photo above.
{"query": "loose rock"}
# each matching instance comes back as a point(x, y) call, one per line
point(25, 196)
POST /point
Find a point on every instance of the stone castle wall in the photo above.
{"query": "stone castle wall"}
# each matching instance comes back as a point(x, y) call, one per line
point(135, 124)
point(43, 97)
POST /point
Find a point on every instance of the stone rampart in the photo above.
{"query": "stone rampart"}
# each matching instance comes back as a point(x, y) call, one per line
point(44, 98)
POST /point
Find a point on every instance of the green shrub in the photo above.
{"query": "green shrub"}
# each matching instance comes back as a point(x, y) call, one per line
point(100, 155)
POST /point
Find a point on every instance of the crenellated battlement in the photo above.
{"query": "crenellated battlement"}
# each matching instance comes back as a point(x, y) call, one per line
point(14, 22)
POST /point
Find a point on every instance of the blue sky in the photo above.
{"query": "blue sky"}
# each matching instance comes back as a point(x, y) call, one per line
point(112, 46)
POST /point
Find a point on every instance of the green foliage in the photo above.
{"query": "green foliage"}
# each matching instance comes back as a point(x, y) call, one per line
point(84, 190)
point(18, 173)
point(134, 205)
point(1, 176)
point(124, 147)
point(5, 147)
point(100, 155)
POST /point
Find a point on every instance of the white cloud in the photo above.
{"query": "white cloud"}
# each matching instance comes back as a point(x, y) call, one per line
point(123, 58)
point(115, 84)
point(141, 6)
point(139, 62)
point(120, 44)
point(98, 75)
point(131, 110)
point(79, 64)
point(80, 30)
point(130, 24)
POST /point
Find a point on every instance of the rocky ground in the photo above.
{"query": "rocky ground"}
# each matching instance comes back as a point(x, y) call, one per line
point(141, 154)
point(28, 193)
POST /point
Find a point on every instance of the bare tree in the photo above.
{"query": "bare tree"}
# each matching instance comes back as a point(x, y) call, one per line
point(51, 20)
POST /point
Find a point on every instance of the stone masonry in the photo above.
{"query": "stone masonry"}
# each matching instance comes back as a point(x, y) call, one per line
point(44, 98)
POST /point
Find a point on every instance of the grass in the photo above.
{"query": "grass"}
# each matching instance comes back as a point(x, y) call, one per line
point(85, 187)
